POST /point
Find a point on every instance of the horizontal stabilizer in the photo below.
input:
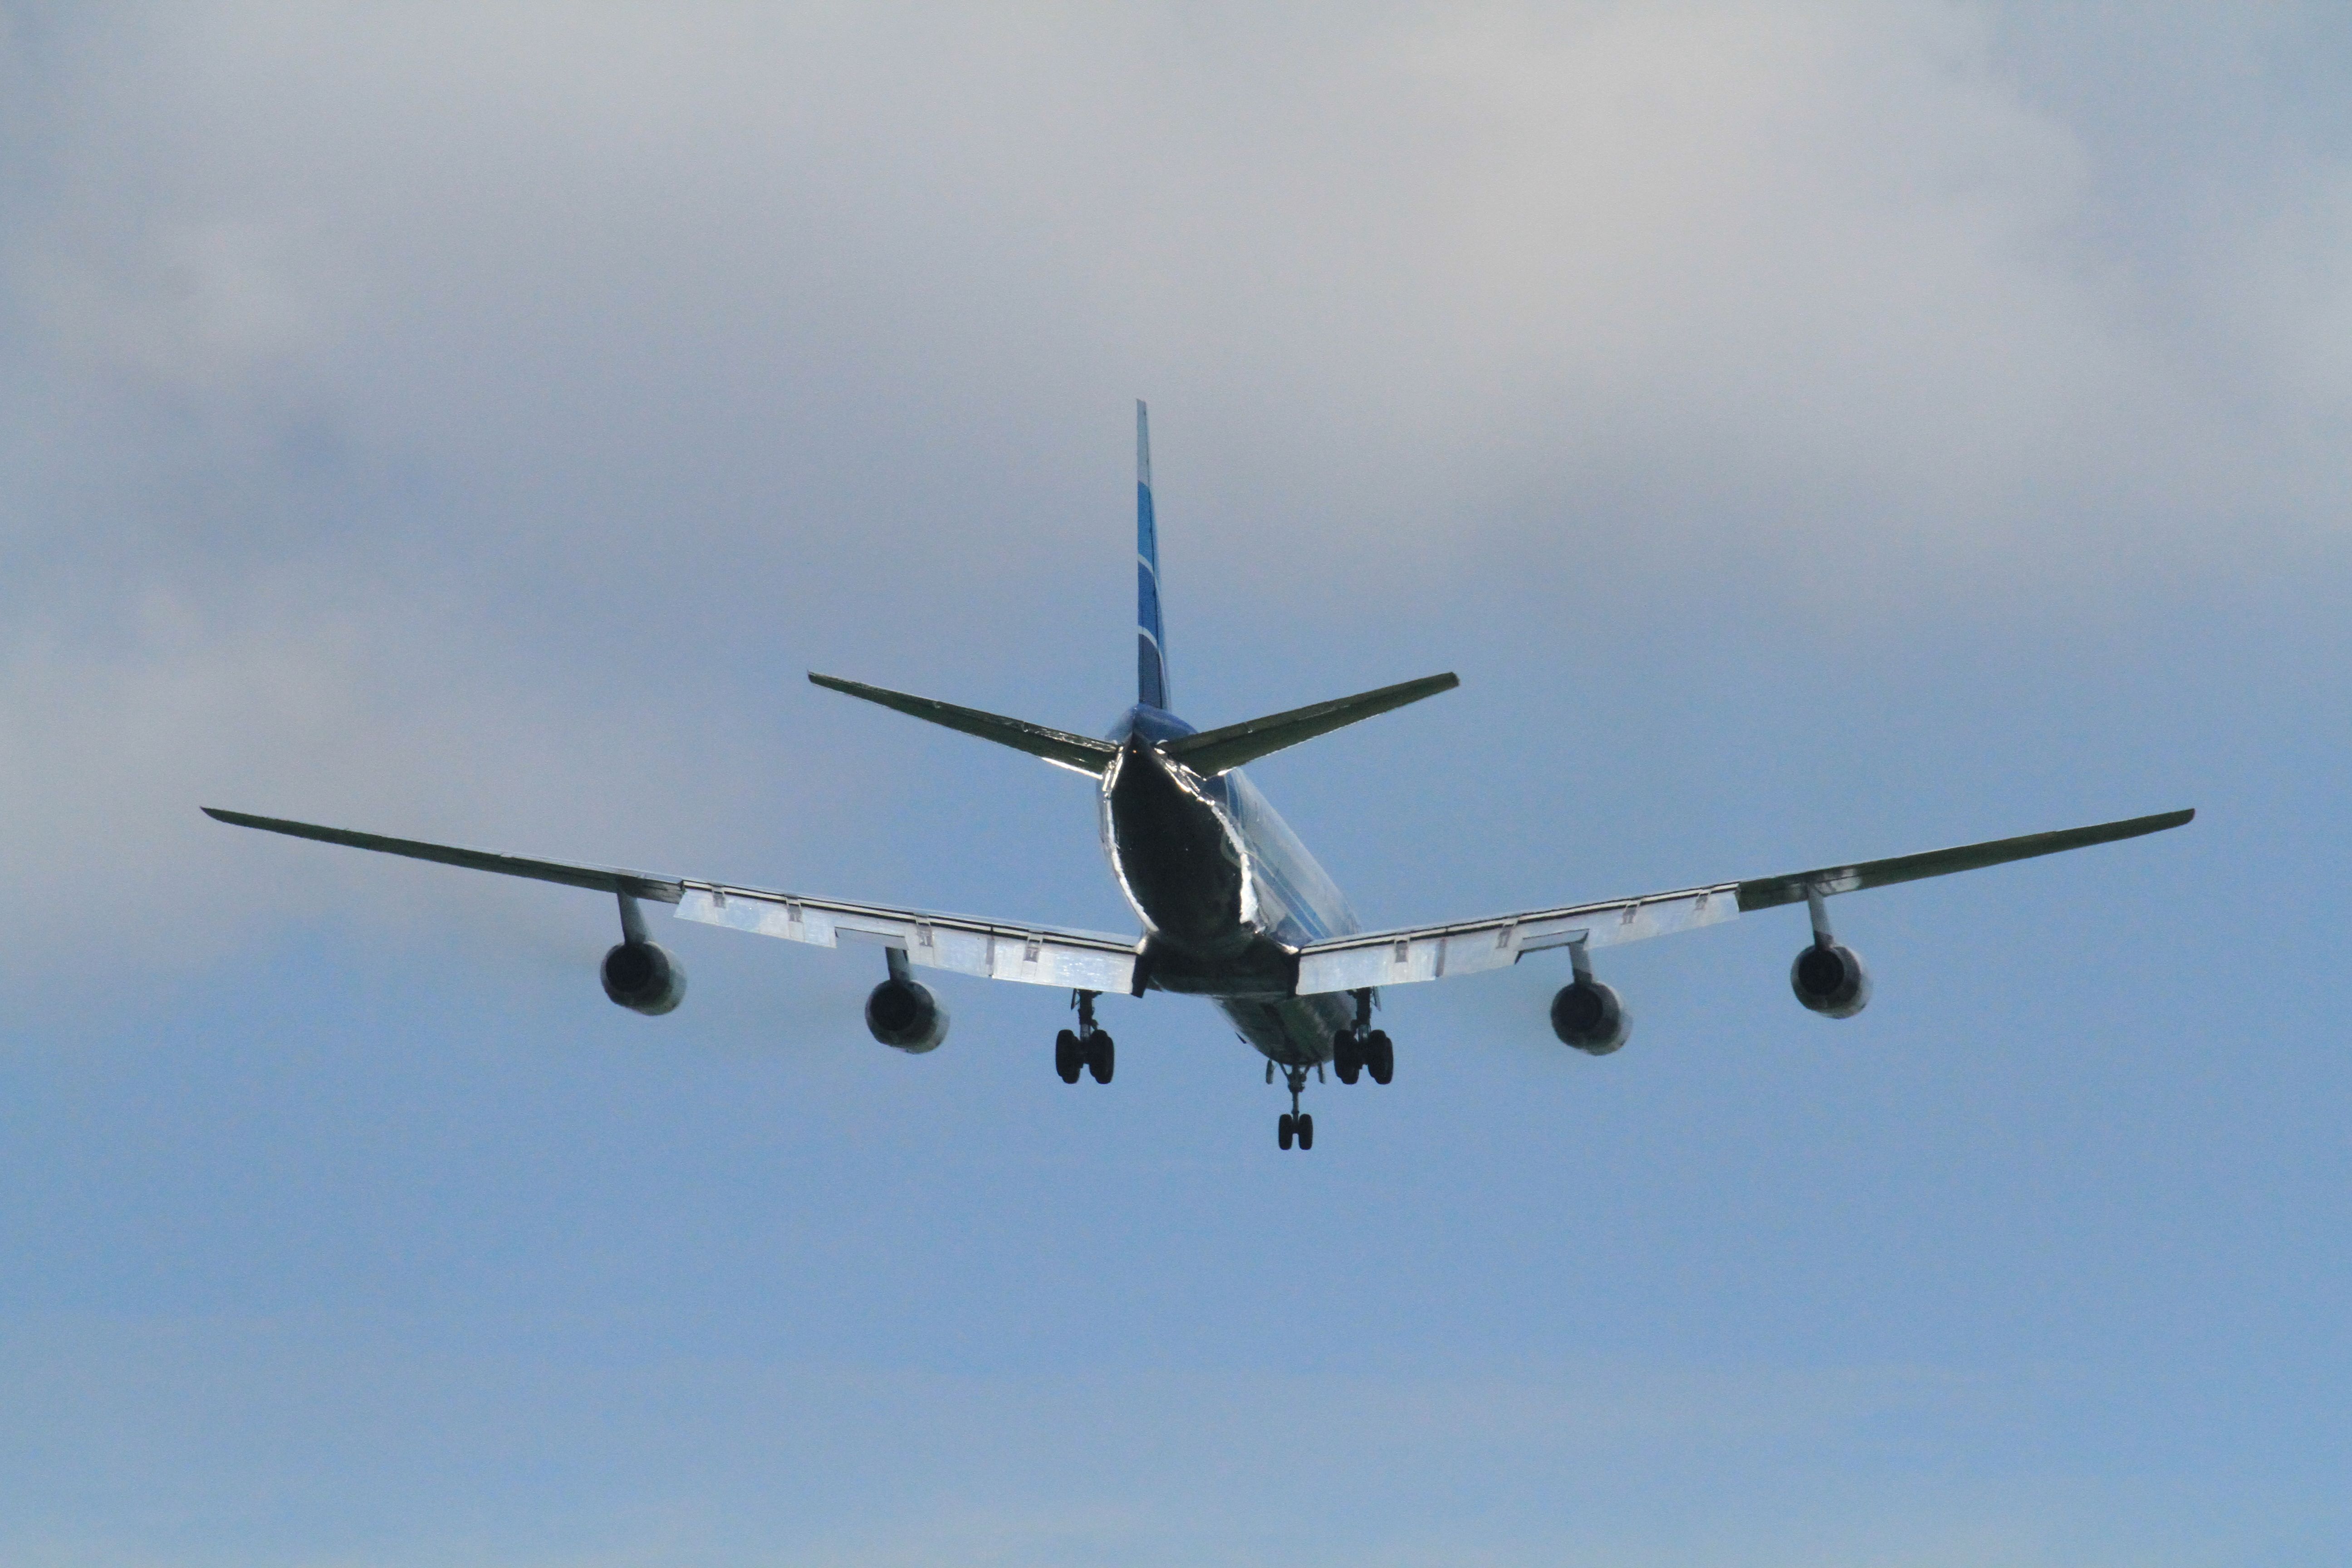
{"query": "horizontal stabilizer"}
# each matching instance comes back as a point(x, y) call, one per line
point(1767, 892)
point(1215, 750)
point(601, 878)
point(1059, 747)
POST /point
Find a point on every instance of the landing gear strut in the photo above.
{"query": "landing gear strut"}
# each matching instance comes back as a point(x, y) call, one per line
point(1363, 1049)
point(1296, 1124)
point(1090, 1050)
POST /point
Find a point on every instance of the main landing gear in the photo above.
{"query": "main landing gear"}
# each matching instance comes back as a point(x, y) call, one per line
point(1087, 1050)
point(1363, 1049)
point(1355, 1051)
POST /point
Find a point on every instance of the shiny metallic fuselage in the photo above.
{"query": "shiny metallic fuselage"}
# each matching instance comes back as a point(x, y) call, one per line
point(1225, 891)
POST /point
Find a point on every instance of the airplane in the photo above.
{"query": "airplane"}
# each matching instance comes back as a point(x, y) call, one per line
point(1232, 905)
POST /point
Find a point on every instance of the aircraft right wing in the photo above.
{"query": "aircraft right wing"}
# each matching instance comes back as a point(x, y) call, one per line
point(993, 950)
point(1472, 947)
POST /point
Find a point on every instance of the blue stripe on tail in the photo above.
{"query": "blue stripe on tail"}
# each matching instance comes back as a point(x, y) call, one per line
point(1150, 641)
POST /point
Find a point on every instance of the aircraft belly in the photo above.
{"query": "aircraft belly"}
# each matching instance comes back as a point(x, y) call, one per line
point(1177, 860)
point(1293, 1031)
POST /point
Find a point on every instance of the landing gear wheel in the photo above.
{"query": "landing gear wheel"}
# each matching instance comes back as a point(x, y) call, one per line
point(1346, 1055)
point(1306, 1130)
point(1068, 1060)
point(1286, 1130)
point(1100, 1057)
point(1379, 1057)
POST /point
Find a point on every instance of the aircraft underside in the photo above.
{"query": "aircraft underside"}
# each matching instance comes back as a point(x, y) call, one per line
point(1234, 906)
point(1224, 911)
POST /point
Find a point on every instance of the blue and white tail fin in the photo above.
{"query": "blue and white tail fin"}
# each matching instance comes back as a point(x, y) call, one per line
point(1150, 641)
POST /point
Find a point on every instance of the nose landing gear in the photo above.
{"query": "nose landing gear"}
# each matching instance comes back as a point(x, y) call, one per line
point(1089, 1050)
point(1296, 1124)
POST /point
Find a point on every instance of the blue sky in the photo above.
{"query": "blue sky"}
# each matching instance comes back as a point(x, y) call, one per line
point(1810, 431)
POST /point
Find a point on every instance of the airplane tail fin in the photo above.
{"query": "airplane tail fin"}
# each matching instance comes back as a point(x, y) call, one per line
point(1150, 641)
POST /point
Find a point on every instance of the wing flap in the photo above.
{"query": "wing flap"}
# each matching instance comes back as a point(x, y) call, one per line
point(1437, 952)
point(992, 950)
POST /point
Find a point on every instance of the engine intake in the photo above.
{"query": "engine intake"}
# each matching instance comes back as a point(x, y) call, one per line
point(1829, 978)
point(642, 978)
point(905, 1017)
point(1588, 1016)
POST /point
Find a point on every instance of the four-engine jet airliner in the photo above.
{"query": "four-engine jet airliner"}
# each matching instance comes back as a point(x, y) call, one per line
point(1233, 906)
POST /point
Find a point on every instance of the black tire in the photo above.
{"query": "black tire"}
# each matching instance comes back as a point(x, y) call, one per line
point(1286, 1130)
point(1306, 1130)
point(1346, 1055)
point(1101, 1056)
point(1068, 1060)
point(1379, 1057)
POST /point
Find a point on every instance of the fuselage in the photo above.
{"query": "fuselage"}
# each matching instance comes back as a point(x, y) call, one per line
point(1226, 892)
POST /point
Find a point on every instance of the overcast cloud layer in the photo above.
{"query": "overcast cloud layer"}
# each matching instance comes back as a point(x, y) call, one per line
point(1812, 429)
point(390, 387)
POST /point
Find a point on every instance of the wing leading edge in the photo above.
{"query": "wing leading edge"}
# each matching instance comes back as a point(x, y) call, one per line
point(962, 944)
point(1471, 947)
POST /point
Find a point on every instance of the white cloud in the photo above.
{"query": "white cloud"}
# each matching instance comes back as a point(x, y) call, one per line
point(391, 346)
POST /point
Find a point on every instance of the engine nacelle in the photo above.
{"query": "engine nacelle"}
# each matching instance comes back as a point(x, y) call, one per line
point(1830, 980)
point(905, 1017)
point(1588, 1016)
point(642, 978)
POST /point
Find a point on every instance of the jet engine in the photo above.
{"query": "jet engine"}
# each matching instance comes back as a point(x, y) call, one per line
point(644, 978)
point(1588, 1016)
point(1829, 978)
point(906, 1016)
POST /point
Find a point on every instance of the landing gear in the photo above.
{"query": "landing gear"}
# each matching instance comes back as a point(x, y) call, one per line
point(1363, 1049)
point(1296, 1124)
point(1089, 1050)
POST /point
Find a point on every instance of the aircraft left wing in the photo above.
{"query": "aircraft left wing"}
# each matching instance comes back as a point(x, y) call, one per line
point(994, 950)
point(1473, 947)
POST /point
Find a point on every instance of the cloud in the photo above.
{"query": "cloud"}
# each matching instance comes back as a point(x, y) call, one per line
point(400, 401)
